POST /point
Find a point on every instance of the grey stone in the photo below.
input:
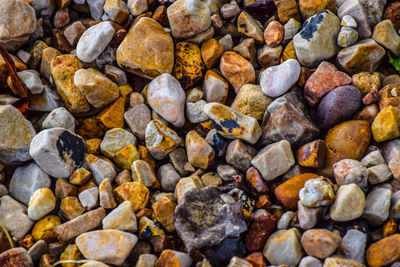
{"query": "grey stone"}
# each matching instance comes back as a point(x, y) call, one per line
point(374, 10)
point(178, 159)
point(89, 198)
point(121, 218)
point(114, 140)
point(357, 11)
point(13, 216)
point(220, 219)
point(57, 151)
point(195, 113)
point(320, 28)
point(47, 101)
point(101, 169)
point(59, 117)
point(310, 261)
point(137, 119)
point(94, 41)
point(146, 260)
point(395, 207)
point(226, 172)
point(377, 205)
point(38, 250)
point(347, 37)
point(26, 180)
point(96, 8)
point(354, 242)
point(372, 159)
point(16, 133)
point(348, 21)
point(348, 171)
point(291, 28)
point(308, 217)
point(168, 177)
point(32, 81)
point(239, 154)
point(379, 174)
point(285, 220)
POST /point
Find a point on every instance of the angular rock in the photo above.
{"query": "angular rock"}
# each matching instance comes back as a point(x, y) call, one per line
point(239, 154)
point(321, 28)
point(347, 37)
point(57, 151)
point(385, 34)
point(161, 140)
point(267, 56)
point(357, 11)
point(143, 173)
point(308, 217)
point(89, 198)
point(349, 203)
point(135, 192)
point(312, 155)
point(170, 257)
point(349, 171)
point(100, 168)
point(194, 111)
point(59, 117)
point(16, 134)
point(110, 246)
point(211, 51)
point(377, 205)
point(354, 242)
point(215, 87)
point(16, 257)
point(41, 203)
point(200, 153)
point(317, 192)
point(249, 27)
point(225, 219)
point(121, 218)
point(147, 50)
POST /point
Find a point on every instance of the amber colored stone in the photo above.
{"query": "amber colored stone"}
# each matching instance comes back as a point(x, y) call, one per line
point(113, 115)
point(273, 34)
point(390, 96)
point(389, 228)
point(309, 8)
point(71, 252)
point(211, 51)
point(161, 243)
point(118, 37)
point(384, 252)
point(43, 229)
point(80, 176)
point(26, 242)
point(263, 201)
point(189, 67)
point(126, 156)
point(90, 128)
point(5, 72)
point(312, 155)
point(347, 140)
point(144, 213)
point(160, 15)
point(320, 243)
point(163, 212)
point(386, 125)
point(256, 259)
point(146, 156)
point(92, 146)
point(288, 192)
point(71, 207)
point(47, 260)
point(259, 231)
point(289, 52)
point(287, 9)
point(135, 192)
point(200, 153)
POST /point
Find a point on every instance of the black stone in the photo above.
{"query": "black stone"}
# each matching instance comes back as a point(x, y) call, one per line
point(221, 255)
point(310, 26)
point(230, 125)
point(70, 146)
point(261, 10)
point(219, 143)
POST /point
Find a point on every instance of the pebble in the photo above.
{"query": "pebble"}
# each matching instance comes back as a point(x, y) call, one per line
point(211, 51)
point(93, 41)
point(308, 217)
point(239, 154)
point(215, 87)
point(355, 241)
point(277, 152)
point(163, 212)
point(167, 98)
point(169, 257)
point(200, 153)
point(349, 203)
point(317, 192)
point(365, 55)
point(310, 261)
point(377, 205)
point(116, 10)
point(384, 252)
point(348, 21)
point(89, 198)
point(247, 49)
point(226, 172)
point(194, 111)
point(276, 80)
point(168, 176)
point(122, 218)
point(232, 124)
point(284, 248)
point(111, 246)
point(320, 243)
point(366, 82)
point(98, 90)
point(135, 192)
point(13, 216)
point(178, 159)
point(143, 173)
point(146, 260)
point(16, 135)
point(147, 50)
point(320, 28)
point(274, 34)
point(385, 125)
point(26, 180)
point(335, 261)
point(16, 257)
point(385, 34)
point(249, 27)
point(267, 56)
point(41, 203)
point(71, 207)
point(374, 10)
point(349, 171)
point(347, 37)
point(100, 168)
point(379, 174)
point(230, 10)
point(59, 117)
point(196, 14)
point(285, 220)
point(114, 140)
point(356, 10)
point(237, 70)
point(312, 154)
point(31, 80)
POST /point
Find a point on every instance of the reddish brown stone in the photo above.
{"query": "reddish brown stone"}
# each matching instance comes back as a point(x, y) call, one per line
point(64, 189)
point(15, 257)
point(263, 201)
point(392, 12)
point(61, 18)
point(73, 32)
point(371, 97)
point(256, 259)
point(273, 34)
point(312, 155)
point(144, 212)
point(255, 181)
point(26, 242)
point(119, 36)
point(322, 81)
point(163, 242)
point(160, 15)
point(59, 41)
point(261, 228)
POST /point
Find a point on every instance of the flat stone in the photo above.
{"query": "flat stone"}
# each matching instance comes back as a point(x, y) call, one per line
point(356, 10)
point(196, 18)
point(232, 124)
point(320, 28)
point(384, 252)
point(13, 216)
point(57, 151)
point(110, 246)
point(147, 50)
point(377, 205)
point(167, 98)
point(276, 80)
point(41, 203)
point(225, 219)
point(122, 218)
point(237, 70)
point(16, 134)
point(349, 203)
point(59, 117)
point(284, 248)
point(98, 90)
point(365, 55)
point(266, 161)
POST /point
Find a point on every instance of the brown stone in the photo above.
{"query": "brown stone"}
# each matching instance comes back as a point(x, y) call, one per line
point(312, 155)
point(371, 97)
point(274, 33)
point(60, 42)
point(384, 251)
point(16, 257)
point(211, 51)
point(287, 9)
point(392, 12)
point(215, 87)
point(320, 243)
point(390, 96)
point(309, 8)
point(64, 189)
point(259, 231)
point(160, 15)
point(239, 154)
point(163, 212)
point(73, 32)
point(199, 152)
point(256, 259)
point(322, 81)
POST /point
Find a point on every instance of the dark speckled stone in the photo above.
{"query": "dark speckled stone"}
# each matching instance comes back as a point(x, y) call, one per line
point(311, 26)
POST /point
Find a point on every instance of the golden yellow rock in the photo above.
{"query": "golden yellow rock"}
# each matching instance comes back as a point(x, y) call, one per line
point(47, 56)
point(126, 156)
point(200, 153)
point(71, 252)
point(145, 155)
point(4, 70)
point(188, 67)
point(289, 52)
point(71, 207)
point(114, 11)
point(43, 229)
point(113, 115)
point(237, 70)
point(384, 251)
point(366, 82)
point(390, 96)
point(251, 101)
point(309, 8)
point(63, 69)
point(148, 228)
point(163, 212)
point(386, 125)
point(147, 50)
point(173, 258)
point(80, 176)
point(93, 146)
point(125, 90)
point(135, 192)
point(211, 51)
point(90, 128)
point(250, 28)
point(287, 9)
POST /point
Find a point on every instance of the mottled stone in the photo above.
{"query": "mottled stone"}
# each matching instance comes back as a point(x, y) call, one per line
point(384, 252)
point(121, 218)
point(135, 192)
point(16, 257)
point(312, 154)
point(172, 257)
point(249, 27)
point(251, 101)
point(348, 171)
point(114, 140)
point(41, 203)
point(143, 173)
point(161, 140)
point(317, 192)
point(309, 8)
point(320, 243)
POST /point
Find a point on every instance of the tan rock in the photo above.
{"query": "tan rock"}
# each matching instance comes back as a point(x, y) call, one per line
point(98, 90)
point(63, 69)
point(249, 27)
point(47, 55)
point(320, 243)
point(215, 87)
point(147, 50)
point(116, 10)
point(211, 51)
point(163, 212)
point(200, 153)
